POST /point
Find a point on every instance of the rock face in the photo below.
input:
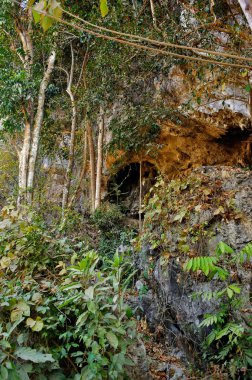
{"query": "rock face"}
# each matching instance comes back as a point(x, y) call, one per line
point(219, 208)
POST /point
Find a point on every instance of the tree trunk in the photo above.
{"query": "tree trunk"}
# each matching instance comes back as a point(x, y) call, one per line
point(92, 163)
point(23, 165)
point(99, 162)
point(38, 124)
point(70, 163)
point(25, 36)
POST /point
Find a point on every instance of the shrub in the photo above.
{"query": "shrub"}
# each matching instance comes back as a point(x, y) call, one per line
point(63, 314)
point(113, 232)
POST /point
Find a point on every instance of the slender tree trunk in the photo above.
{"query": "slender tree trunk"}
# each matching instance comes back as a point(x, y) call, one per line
point(38, 124)
point(23, 165)
point(92, 163)
point(25, 36)
point(99, 162)
point(70, 163)
point(140, 195)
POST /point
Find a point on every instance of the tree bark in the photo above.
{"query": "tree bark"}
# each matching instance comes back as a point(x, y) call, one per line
point(92, 163)
point(38, 124)
point(99, 162)
point(70, 163)
point(23, 165)
point(27, 44)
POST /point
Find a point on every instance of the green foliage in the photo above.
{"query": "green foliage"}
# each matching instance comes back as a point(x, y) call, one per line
point(229, 341)
point(8, 174)
point(176, 206)
point(63, 314)
point(26, 244)
point(104, 7)
point(113, 231)
point(51, 7)
point(107, 217)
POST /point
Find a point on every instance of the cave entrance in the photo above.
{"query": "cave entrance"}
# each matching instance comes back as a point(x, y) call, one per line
point(124, 186)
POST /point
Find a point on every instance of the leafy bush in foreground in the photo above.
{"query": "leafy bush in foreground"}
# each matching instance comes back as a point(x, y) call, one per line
point(62, 311)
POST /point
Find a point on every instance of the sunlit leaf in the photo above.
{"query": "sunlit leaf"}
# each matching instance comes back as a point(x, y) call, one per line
point(112, 338)
point(104, 8)
point(27, 353)
point(46, 23)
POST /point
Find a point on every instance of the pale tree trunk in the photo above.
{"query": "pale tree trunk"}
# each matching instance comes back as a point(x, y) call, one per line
point(26, 41)
point(37, 125)
point(70, 163)
point(246, 7)
point(23, 165)
point(99, 161)
point(91, 163)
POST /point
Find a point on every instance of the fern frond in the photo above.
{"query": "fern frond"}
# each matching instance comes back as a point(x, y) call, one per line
point(204, 263)
point(223, 248)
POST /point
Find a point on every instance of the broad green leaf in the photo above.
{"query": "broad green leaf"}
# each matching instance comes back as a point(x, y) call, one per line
point(58, 12)
point(230, 293)
point(27, 353)
point(30, 322)
point(46, 23)
point(4, 373)
point(22, 374)
point(89, 292)
point(35, 325)
point(112, 338)
point(95, 348)
point(20, 309)
point(37, 297)
point(38, 325)
point(104, 8)
point(55, 9)
point(39, 7)
point(5, 262)
point(82, 318)
point(236, 289)
point(5, 343)
point(91, 307)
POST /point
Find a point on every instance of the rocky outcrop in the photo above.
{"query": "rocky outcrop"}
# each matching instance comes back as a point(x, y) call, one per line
point(211, 205)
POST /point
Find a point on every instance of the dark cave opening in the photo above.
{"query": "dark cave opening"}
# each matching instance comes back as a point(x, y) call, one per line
point(124, 186)
point(233, 136)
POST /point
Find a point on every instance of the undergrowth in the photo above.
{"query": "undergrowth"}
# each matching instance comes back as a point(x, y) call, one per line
point(63, 314)
point(229, 338)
